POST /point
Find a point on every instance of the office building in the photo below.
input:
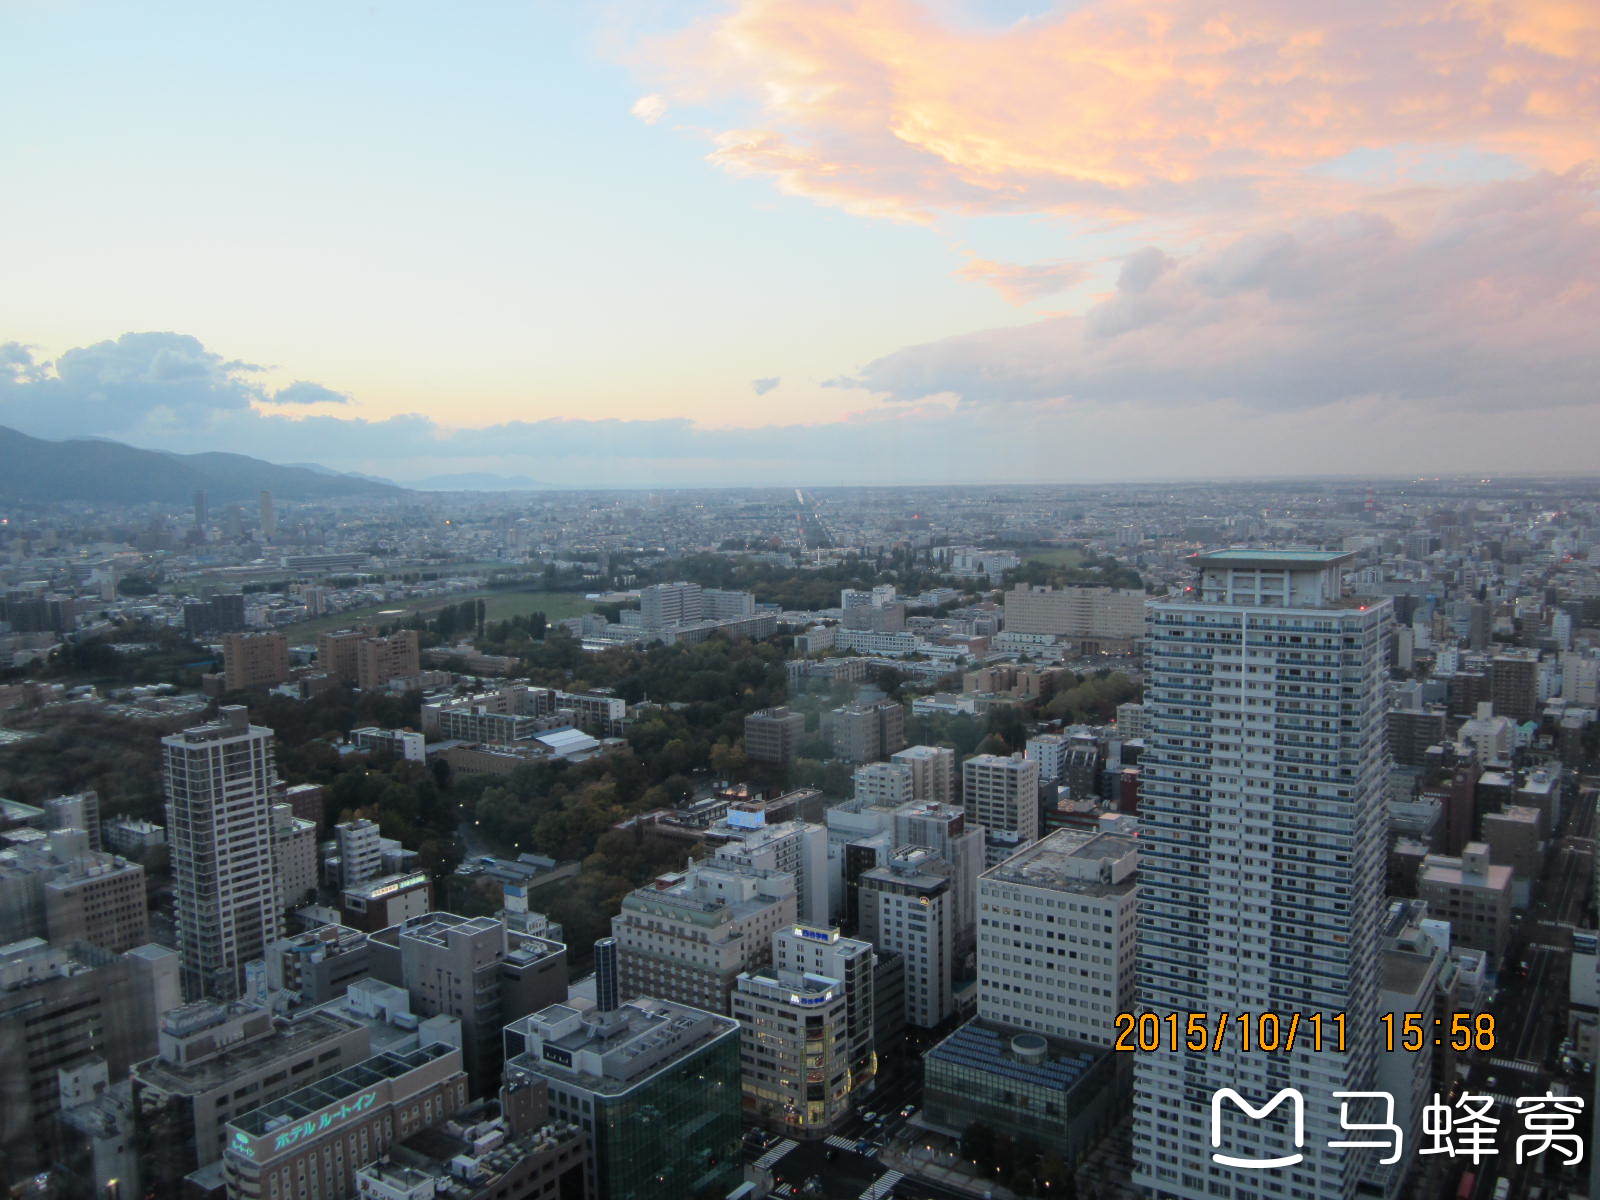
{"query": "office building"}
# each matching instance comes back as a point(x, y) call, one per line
point(773, 735)
point(606, 1067)
point(311, 1142)
point(1057, 935)
point(945, 829)
point(254, 660)
point(1261, 862)
point(386, 900)
point(475, 970)
point(219, 781)
point(686, 936)
point(216, 1061)
point(57, 889)
point(1002, 794)
point(214, 615)
point(794, 1049)
point(814, 950)
point(318, 964)
point(906, 907)
point(1058, 1095)
point(62, 1007)
point(933, 773)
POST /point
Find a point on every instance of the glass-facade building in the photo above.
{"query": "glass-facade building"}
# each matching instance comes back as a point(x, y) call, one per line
point(1058, 1095)
point(654, 1085)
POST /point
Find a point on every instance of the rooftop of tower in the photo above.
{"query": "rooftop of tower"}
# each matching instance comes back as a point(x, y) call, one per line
point(1275, 559)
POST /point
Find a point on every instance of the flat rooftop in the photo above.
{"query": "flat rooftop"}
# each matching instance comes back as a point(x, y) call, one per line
point(1271, 559)
point(333, 1088)
point(1062, 859)
point(286, 1040)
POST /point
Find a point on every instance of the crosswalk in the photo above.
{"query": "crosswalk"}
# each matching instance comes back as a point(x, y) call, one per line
point(771, 1157)
point(882, 1185)
point(840, 1143)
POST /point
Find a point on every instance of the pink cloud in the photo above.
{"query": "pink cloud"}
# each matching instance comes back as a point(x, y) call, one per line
point(1129, 107)
point(1024, 283)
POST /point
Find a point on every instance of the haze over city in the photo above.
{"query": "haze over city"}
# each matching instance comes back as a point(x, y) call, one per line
point(641, 244)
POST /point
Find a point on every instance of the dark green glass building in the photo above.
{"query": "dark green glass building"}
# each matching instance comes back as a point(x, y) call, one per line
point(654, 1086)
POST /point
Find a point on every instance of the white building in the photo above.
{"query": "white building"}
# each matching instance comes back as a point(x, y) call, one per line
point(360, 848)
point(798, 847)
point(1057, 935)
point(1261, 835)
point(219, 780)
point(1049, 750)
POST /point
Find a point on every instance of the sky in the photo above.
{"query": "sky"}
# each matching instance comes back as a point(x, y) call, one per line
point(649, 243)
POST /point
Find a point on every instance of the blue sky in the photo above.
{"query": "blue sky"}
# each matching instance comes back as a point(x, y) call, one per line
point(917, 217)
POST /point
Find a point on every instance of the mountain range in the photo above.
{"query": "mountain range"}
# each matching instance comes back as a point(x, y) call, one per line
point(91, 469)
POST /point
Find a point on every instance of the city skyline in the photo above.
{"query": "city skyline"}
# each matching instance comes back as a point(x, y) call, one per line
point(634, 244)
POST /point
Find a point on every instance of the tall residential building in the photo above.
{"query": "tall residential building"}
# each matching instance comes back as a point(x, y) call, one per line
point(1057, 934)
point(1002, 794)
point(269, 517)
point(380, 659)
point(336, 653)
point(773, 735)
point(254, 660)
point(865, 732)
point(945, 829)
point(359, 844)
point(219, 781)
point(1261, 838)
point(883, 784)
point(906, 907)
point(933, 772)
point(294, 857)
point(686, 936)
point(80, 810)
point(654, 1085)
point(1049, 750)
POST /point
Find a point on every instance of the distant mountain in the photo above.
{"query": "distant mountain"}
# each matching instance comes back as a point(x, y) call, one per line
point(32, 469)
point(477, 483)
point(319, 469)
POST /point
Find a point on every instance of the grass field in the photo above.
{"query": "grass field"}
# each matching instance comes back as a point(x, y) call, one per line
point(1055, 556)
point(502, 606)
